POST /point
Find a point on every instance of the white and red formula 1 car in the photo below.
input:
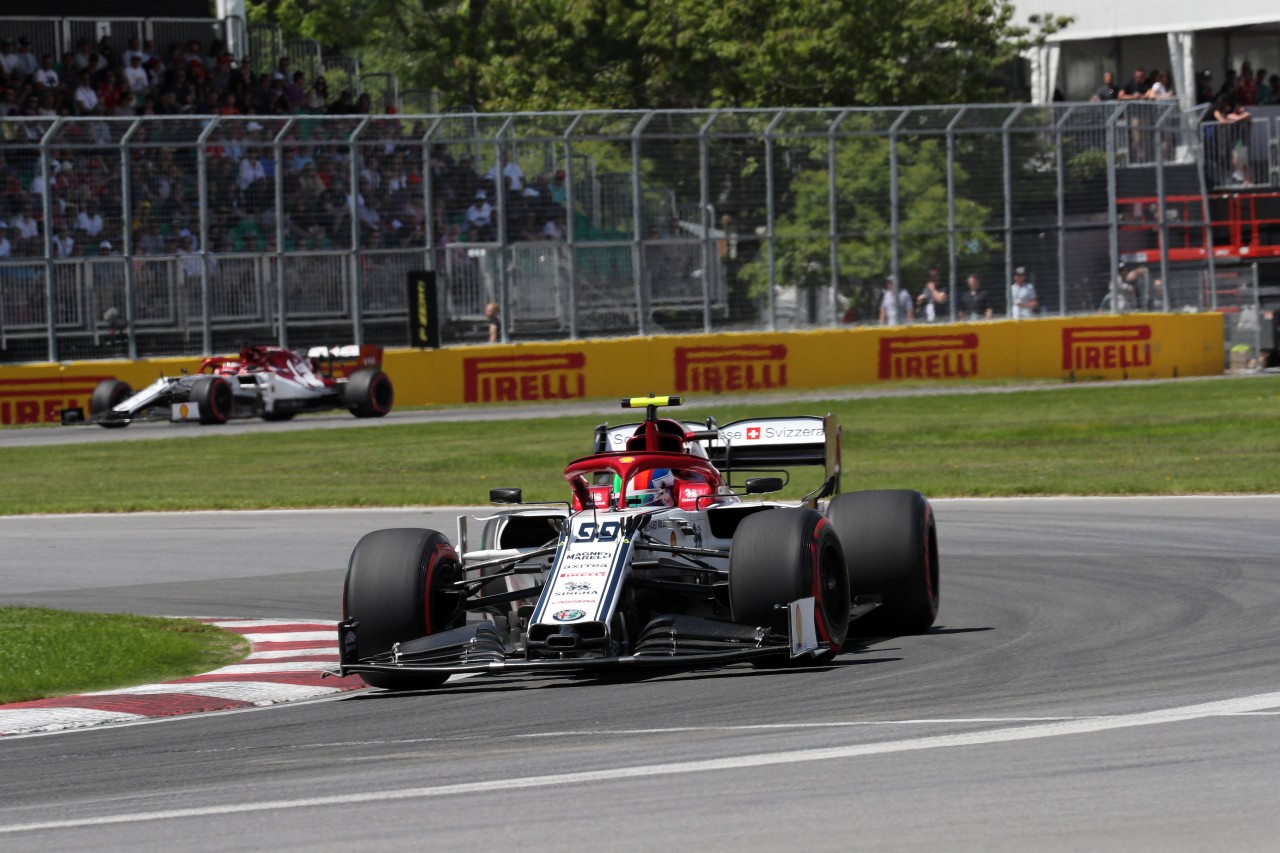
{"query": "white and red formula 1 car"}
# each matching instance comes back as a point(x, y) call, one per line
point(656, 560)
point(267, 382)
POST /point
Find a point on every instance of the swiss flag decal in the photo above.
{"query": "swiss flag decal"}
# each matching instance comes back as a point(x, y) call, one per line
point(753, 433)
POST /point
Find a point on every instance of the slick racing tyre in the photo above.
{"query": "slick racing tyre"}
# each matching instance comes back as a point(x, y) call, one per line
point(214, 397)
point(891, 547)
point(368, 394)
point(782, 555)
point(107, 394)
point(399, 589)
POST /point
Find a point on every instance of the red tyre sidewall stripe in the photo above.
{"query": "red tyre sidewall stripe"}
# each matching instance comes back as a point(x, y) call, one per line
point(426, 592)
point(815, 556)
point(928, 558)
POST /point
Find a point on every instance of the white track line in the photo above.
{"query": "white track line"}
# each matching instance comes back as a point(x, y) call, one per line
point(1245, 704)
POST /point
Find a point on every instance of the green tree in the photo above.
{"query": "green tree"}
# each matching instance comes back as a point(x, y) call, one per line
point(864, 219)
point(623, 54)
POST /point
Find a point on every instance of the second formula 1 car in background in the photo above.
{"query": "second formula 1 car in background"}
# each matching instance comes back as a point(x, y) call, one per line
point(267, 382)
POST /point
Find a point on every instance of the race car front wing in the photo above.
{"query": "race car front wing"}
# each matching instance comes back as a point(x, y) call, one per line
point(667, 642)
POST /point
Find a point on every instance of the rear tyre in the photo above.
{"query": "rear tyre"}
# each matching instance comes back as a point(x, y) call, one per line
point(891, 547)
point(214, 397)
point(368, 394)
point(398, 588)
point(108, 394)
point(781, 555)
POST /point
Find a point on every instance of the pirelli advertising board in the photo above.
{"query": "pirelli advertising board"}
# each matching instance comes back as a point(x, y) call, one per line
point(1133, 346)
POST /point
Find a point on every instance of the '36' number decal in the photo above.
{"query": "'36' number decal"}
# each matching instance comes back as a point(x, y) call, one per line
point(592, 532)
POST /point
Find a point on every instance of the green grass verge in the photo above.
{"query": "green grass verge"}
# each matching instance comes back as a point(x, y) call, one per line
point(53, 652)
point(1161, 438)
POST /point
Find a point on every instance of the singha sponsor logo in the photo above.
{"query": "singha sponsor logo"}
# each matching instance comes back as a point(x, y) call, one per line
point(929, 356)
point(33, 401)
point(746, 367)
point(1106, 347)
point(524, 378)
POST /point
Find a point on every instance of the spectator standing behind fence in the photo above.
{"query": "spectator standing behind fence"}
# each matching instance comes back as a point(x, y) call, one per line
point(1107, 91)
point(1022, 296)
point(973, 302)
point(1247, 86)
point(895, 305)
point(932, 301)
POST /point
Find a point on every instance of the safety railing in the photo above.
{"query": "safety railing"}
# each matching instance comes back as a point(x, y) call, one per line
point(189, 234)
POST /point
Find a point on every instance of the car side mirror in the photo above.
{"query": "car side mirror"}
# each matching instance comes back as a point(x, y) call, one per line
point(761, 485)
point(505, 496)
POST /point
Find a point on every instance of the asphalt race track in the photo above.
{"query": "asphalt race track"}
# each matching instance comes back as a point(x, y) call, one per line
point(1104, 676)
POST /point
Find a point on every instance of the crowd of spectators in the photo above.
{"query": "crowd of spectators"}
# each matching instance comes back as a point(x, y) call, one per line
point(328, 202)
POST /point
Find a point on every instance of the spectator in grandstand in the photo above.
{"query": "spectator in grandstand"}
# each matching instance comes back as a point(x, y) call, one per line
point(1159, 85)
point(8, 58)
point(48, 106)
point(1107, 91)
point(931, 304)
point(1204, 87)
point(334, 211)
point(1264, 86)
point(86, 98)
point(89, 220)
point(1247, 86)
point(135, 76)
point(46, 76)
point(557, 190)
point(344, 106)
point(316, 101)
point(133, 49)
point(24, 228)
point(895, 304)
point(6, 248)
point(1136, 88)
point(1022, 295)
point(295, 92)
point(494, 320)
point(26, 62)
point(512, 172)
point(973, 302)
point(479, 218)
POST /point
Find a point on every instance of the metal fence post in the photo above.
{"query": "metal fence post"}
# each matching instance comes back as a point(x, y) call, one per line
point(1208, 221)
point(1062, 210)
point(278, 153)
point(1161, 222)
point(46, 204)
point(126, 209)
point(1113, 225)
point(202, 190)
point(500, 187)
point(771, 221)
point(637, 225)
point(706, 217)
point(894, 214)
point(1007, 166)
point(951, 210)
point(357, 277)
point(833, 216)
point(570, 226)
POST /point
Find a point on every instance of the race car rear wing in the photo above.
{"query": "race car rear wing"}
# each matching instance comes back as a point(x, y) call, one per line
point(770, 442)
point(338, 362)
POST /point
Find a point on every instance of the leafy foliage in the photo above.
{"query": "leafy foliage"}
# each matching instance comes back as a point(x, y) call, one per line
point(621, 54)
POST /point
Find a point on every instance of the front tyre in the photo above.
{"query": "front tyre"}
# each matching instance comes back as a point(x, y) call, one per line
point(399, 588)
point(782, 555)
point(108, 394)
point(890, 544)
point(368, 394)
point(214, 397)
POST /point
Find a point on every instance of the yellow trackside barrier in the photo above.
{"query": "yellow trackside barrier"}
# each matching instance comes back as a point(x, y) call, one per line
point(1131, 346)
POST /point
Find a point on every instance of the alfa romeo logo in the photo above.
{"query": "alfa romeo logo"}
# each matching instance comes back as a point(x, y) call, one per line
point(568, 615)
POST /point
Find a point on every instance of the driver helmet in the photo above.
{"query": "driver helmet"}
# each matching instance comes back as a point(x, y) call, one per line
point(655, 487)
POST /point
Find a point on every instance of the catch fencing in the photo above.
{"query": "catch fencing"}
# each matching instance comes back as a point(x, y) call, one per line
point(196, 234)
